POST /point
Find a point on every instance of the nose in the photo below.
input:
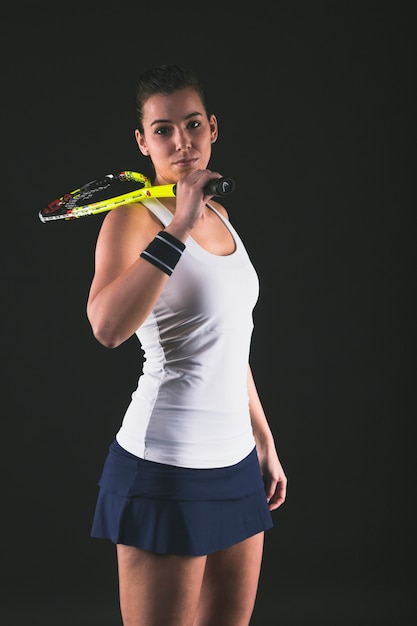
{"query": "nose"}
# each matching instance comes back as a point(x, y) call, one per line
point(183, 141)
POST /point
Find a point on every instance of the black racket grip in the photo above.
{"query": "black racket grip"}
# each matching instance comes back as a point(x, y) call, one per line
point(218, 187)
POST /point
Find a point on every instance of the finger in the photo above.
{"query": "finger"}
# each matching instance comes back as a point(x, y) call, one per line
point(277, 498)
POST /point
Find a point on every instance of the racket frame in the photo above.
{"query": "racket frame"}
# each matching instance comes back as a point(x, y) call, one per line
point(68, 209)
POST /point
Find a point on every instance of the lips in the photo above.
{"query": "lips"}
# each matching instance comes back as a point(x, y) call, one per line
point(185, 162)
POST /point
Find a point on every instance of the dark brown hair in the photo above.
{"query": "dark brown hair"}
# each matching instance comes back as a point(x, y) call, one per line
point(166, 79)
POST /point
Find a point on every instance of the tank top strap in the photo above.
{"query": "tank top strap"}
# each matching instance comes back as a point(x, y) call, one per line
point(159, 210)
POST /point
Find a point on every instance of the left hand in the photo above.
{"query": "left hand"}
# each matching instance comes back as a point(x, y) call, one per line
point(274, 477)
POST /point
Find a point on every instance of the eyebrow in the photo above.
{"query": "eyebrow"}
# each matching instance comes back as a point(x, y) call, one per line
point(187, 117)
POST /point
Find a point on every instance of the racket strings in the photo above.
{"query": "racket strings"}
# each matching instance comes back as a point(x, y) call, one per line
point(105, 188)
point(103, 194)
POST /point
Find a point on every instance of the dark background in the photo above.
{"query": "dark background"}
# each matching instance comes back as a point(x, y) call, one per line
point(316, 113)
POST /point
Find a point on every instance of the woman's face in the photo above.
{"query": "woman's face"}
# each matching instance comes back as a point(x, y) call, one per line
point(177, 135)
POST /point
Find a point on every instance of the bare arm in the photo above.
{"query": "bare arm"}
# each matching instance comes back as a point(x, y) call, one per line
point(126, 287)
point(272, 471)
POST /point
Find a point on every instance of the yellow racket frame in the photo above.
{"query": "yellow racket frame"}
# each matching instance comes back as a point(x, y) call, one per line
point(93, 208)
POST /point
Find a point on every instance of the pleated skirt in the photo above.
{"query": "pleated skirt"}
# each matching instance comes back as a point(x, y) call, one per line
point(175, 510)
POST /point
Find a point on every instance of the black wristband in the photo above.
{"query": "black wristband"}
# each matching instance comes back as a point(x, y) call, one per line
point(164, 252)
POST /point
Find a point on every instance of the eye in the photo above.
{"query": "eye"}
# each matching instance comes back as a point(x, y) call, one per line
point(193, 124)
point(162, 130)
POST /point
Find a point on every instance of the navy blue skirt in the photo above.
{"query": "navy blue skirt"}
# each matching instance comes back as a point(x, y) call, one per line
point(175, 510)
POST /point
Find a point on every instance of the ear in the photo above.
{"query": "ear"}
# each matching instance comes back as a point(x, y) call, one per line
point(141, 143)
point(214, 129)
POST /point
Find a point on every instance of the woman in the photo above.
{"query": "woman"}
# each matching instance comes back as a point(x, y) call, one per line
point(190, 481)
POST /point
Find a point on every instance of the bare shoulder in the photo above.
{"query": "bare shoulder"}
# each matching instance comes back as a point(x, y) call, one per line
point(220, 208)
point(128, 226)
point(124, 234)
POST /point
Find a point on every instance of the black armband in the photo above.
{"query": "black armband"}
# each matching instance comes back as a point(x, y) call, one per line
point(164, 252)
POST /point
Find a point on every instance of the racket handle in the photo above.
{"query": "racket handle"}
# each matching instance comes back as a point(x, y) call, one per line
point(220, 187)
point(217, 187)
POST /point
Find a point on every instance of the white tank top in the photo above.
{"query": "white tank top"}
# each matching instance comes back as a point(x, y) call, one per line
point(190, 407)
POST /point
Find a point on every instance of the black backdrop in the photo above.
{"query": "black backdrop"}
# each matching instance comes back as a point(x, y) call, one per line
point(316, 113)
